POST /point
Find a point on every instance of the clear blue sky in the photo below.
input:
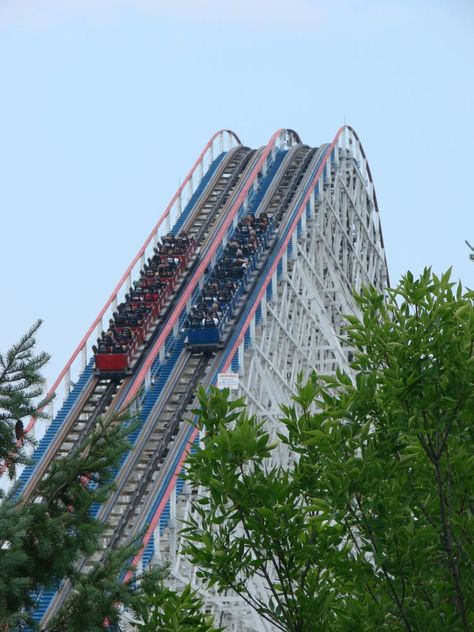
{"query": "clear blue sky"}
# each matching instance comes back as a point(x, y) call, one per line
point(105, 104)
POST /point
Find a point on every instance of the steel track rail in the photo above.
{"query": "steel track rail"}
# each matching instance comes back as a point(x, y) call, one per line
point(187, 434)
point(165, 479)
point(123, 508)
point(208, 149)
point(96, 395)
point(205, 235)
point(165, 423)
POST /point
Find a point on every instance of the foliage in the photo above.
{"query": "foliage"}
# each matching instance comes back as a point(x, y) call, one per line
point(255, 523)
point(44, 537)
point(370, 526)
point(21, 383)
point(97, 594)
point(48, 535)
point(160, 608)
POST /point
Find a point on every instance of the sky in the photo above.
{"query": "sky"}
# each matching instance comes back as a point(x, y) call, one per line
point(106, 104)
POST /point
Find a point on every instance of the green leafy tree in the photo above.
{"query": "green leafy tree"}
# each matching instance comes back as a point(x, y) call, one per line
point(160, 608)
point(371, 527)
point(257, 522)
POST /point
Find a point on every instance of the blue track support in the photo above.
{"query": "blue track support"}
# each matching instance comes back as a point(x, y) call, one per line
point(256, 198)
point(42, 604)
point(148, 552)
point(148, 402)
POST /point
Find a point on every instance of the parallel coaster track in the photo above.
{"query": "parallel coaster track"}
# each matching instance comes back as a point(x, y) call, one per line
point(328, 241)
point(141, 474)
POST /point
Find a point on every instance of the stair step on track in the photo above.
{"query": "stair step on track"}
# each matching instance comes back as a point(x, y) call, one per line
point(117, 512)
point(165, 417)
point(147, 455)
point(129, 487)
point(125, 496)
point(155, 440)
point(150, 448)
point(142, 467)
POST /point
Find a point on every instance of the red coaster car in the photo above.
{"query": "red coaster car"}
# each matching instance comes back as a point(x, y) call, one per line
point(114, 363)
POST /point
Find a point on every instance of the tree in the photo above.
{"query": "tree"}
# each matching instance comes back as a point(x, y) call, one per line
point(43, 538)
point(21, 384)
point(372, 525)
point(160, 608)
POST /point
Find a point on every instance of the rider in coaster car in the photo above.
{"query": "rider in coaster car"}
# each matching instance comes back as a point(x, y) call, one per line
point(210, 320)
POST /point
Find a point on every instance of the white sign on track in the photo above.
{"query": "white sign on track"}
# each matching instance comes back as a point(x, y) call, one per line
point(228, 380)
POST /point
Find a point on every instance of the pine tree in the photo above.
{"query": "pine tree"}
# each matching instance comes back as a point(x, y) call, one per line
point(43, 538)
point(21, 388)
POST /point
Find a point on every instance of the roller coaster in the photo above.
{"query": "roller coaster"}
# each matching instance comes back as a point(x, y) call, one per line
point(248, 271)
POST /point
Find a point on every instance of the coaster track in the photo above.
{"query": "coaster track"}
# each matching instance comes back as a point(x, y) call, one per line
point(325, 240)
